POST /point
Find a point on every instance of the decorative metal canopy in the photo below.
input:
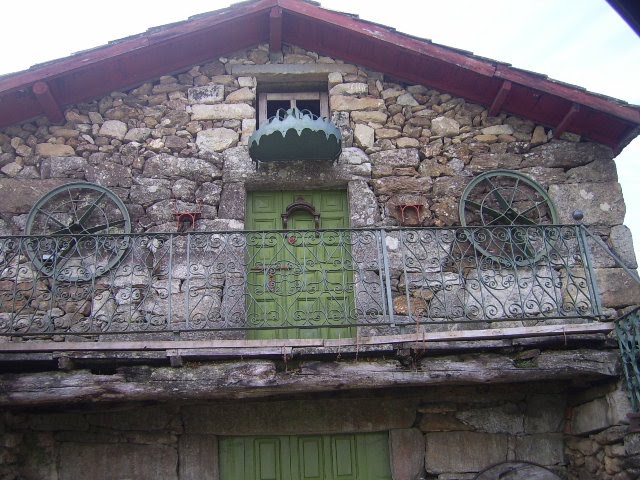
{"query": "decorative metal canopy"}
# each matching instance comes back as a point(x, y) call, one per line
point(295, 135)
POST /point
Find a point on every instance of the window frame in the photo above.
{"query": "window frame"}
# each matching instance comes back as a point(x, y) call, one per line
point(292, 97)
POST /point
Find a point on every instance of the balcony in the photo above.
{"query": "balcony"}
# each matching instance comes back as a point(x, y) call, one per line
point(295, 287)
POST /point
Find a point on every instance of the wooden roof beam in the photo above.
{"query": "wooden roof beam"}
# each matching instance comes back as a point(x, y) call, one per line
point(275, 30)
point(566, 121)
point(500, 98)
point(49, 104)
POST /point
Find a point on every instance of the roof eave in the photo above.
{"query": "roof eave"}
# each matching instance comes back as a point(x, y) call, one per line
point(133, 60)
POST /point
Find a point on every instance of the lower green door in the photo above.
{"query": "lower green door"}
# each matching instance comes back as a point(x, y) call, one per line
point(300, 281)
point(362, 456)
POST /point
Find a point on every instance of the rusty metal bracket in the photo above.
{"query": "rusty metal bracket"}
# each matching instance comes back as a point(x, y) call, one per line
point(300, 205)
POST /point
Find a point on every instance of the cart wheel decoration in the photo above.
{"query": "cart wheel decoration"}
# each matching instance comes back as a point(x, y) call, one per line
point(77, 232)
point(500, 199)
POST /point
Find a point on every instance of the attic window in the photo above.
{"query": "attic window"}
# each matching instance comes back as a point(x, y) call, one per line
point(294, 125)
point(270, 102)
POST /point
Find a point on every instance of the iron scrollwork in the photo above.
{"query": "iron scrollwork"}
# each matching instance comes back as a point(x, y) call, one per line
point(232, 282)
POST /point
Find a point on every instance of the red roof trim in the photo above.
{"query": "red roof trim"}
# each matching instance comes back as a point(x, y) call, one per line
point(576, 94)
point(385, 34)
point(133, 60)
point(100, 54)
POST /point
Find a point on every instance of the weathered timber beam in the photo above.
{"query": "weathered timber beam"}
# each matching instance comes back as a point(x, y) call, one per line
point(281, 345)
point(500, 98)
point(275, 30)
point(49, 104)
point(566, 121)
point(260, 378)
point(112, 357)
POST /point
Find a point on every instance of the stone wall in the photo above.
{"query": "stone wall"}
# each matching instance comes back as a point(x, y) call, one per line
point(183, 138)
point(442, 433)
point(598, 444)
point(179, 143)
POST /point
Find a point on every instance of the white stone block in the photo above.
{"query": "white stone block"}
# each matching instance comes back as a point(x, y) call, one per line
point(222, 111)
point(208, 95)
point(216, 139)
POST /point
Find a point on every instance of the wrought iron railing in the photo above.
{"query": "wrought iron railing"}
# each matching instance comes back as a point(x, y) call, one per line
point(628, 332)
point(250, 284)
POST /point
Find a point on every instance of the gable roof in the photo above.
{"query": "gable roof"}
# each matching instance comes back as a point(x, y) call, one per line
point(47, 88)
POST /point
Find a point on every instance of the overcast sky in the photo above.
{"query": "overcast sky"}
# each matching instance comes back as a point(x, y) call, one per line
point(583, 42)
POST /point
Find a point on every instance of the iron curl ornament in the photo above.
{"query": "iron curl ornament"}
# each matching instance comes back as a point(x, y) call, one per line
point(516, 209)
point(77, 232)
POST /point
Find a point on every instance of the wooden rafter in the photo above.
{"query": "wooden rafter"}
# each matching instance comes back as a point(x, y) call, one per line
point(566, 121)
point(275, 30)
point(500, 98)
point(49, 104)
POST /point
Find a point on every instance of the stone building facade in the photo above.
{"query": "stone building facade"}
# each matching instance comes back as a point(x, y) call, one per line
point(554, 406)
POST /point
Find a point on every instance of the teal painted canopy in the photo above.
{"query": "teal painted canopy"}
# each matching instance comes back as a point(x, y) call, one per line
point(295, 135)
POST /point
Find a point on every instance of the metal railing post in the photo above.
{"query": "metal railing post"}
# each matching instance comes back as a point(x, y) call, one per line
point(387, 274)
point(615, 258)
point(592, 284)
point(627, 331)
point(187, 313)
point(170, 303)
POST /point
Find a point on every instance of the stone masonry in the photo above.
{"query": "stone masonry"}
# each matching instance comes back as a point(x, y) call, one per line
point(443, 433)
point(179, 143)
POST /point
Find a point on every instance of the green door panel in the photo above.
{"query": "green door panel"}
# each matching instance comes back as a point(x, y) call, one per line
point(343, 451)
point(362, 456)
point(232, 455)
point(299, 279)
point(309, 458)
point(267, 459)
point(373, 456)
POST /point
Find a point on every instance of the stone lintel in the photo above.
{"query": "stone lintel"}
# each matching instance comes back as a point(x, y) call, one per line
point(291, 72)
point(301, 417)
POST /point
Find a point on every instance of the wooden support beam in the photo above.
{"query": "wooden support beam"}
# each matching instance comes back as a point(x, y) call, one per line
point(262, 378)
point(565, 123)
point(65, 363)
point(156, 357)
point(277, 345)
point(49, 104)
point(175, 361)
point(500, 98)
point(275, 30)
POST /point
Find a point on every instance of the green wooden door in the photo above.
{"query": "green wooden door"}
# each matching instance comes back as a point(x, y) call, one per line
point(362, 456)
point(299, 279)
